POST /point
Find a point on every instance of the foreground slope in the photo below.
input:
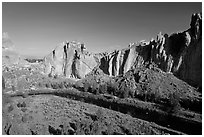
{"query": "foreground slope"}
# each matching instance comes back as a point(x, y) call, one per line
point(52, 115)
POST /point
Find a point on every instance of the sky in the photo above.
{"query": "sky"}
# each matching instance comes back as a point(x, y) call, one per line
point(37, 28)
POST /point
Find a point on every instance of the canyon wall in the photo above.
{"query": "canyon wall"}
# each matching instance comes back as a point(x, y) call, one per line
point(180, 53)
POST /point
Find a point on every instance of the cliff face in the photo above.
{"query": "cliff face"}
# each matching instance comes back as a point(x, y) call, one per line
point(70, 59)
point(179, 53)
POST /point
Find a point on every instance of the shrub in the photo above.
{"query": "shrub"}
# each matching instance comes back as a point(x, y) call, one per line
point(102, 88)
point(173, 102)
point(67, 84)
point(13, 88)
point(112, 88)
point(95, 88)
point(86, 87)
point(3, 83)
point(61, 85)
point(39, 84)
point(78, 85)
point(50, 75)
point(99, 114)
point(54, 85)
point(47, 85)
point(55, 76)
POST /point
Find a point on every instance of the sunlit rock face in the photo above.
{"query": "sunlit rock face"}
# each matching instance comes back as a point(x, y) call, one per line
point(120, 61)
point(70, 59)
point(180, 53)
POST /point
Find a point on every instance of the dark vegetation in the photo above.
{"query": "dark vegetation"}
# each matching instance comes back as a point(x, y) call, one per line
point(134, 93)
point(146, 85)
point(34, 60)
point(149, 85)
point(147, 111)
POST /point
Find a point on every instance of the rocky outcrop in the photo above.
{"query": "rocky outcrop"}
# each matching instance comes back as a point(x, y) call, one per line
point(179, 53)
point(70, 59)
point(120, 61)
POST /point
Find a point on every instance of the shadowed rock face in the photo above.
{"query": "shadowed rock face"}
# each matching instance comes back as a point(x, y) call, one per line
point(179, 53)
point(70, 59)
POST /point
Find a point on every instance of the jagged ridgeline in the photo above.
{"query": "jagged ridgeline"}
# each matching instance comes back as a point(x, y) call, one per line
point(179, 53)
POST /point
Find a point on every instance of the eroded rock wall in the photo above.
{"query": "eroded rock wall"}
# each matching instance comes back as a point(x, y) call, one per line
point(179, 53)
point(69, 59)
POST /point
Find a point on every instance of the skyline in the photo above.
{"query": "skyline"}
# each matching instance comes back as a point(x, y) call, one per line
point(37, 28)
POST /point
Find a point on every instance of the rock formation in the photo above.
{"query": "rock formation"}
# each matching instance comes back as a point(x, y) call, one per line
point(179, 53)
point(9, 55)
point(69, 59)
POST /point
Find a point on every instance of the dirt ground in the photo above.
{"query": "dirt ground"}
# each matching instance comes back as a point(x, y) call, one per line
point(53, 115)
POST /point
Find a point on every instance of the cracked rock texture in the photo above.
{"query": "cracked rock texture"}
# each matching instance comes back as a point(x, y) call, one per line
point(69, 59)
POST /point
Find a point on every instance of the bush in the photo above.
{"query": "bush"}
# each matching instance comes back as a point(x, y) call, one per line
point(39, 84)
point(112, 88)
point(131, 93)
point(55, 76)
point(102, 88)
point(3, 83)
point(50, 75)
point(78, 85)
point(13, 88)
point(61, 85)
point(67, 84)
point(99, 114)
point(173, 102)
point(54, 85)
point(95, 88)
point(86, 87)
point(47, 85)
